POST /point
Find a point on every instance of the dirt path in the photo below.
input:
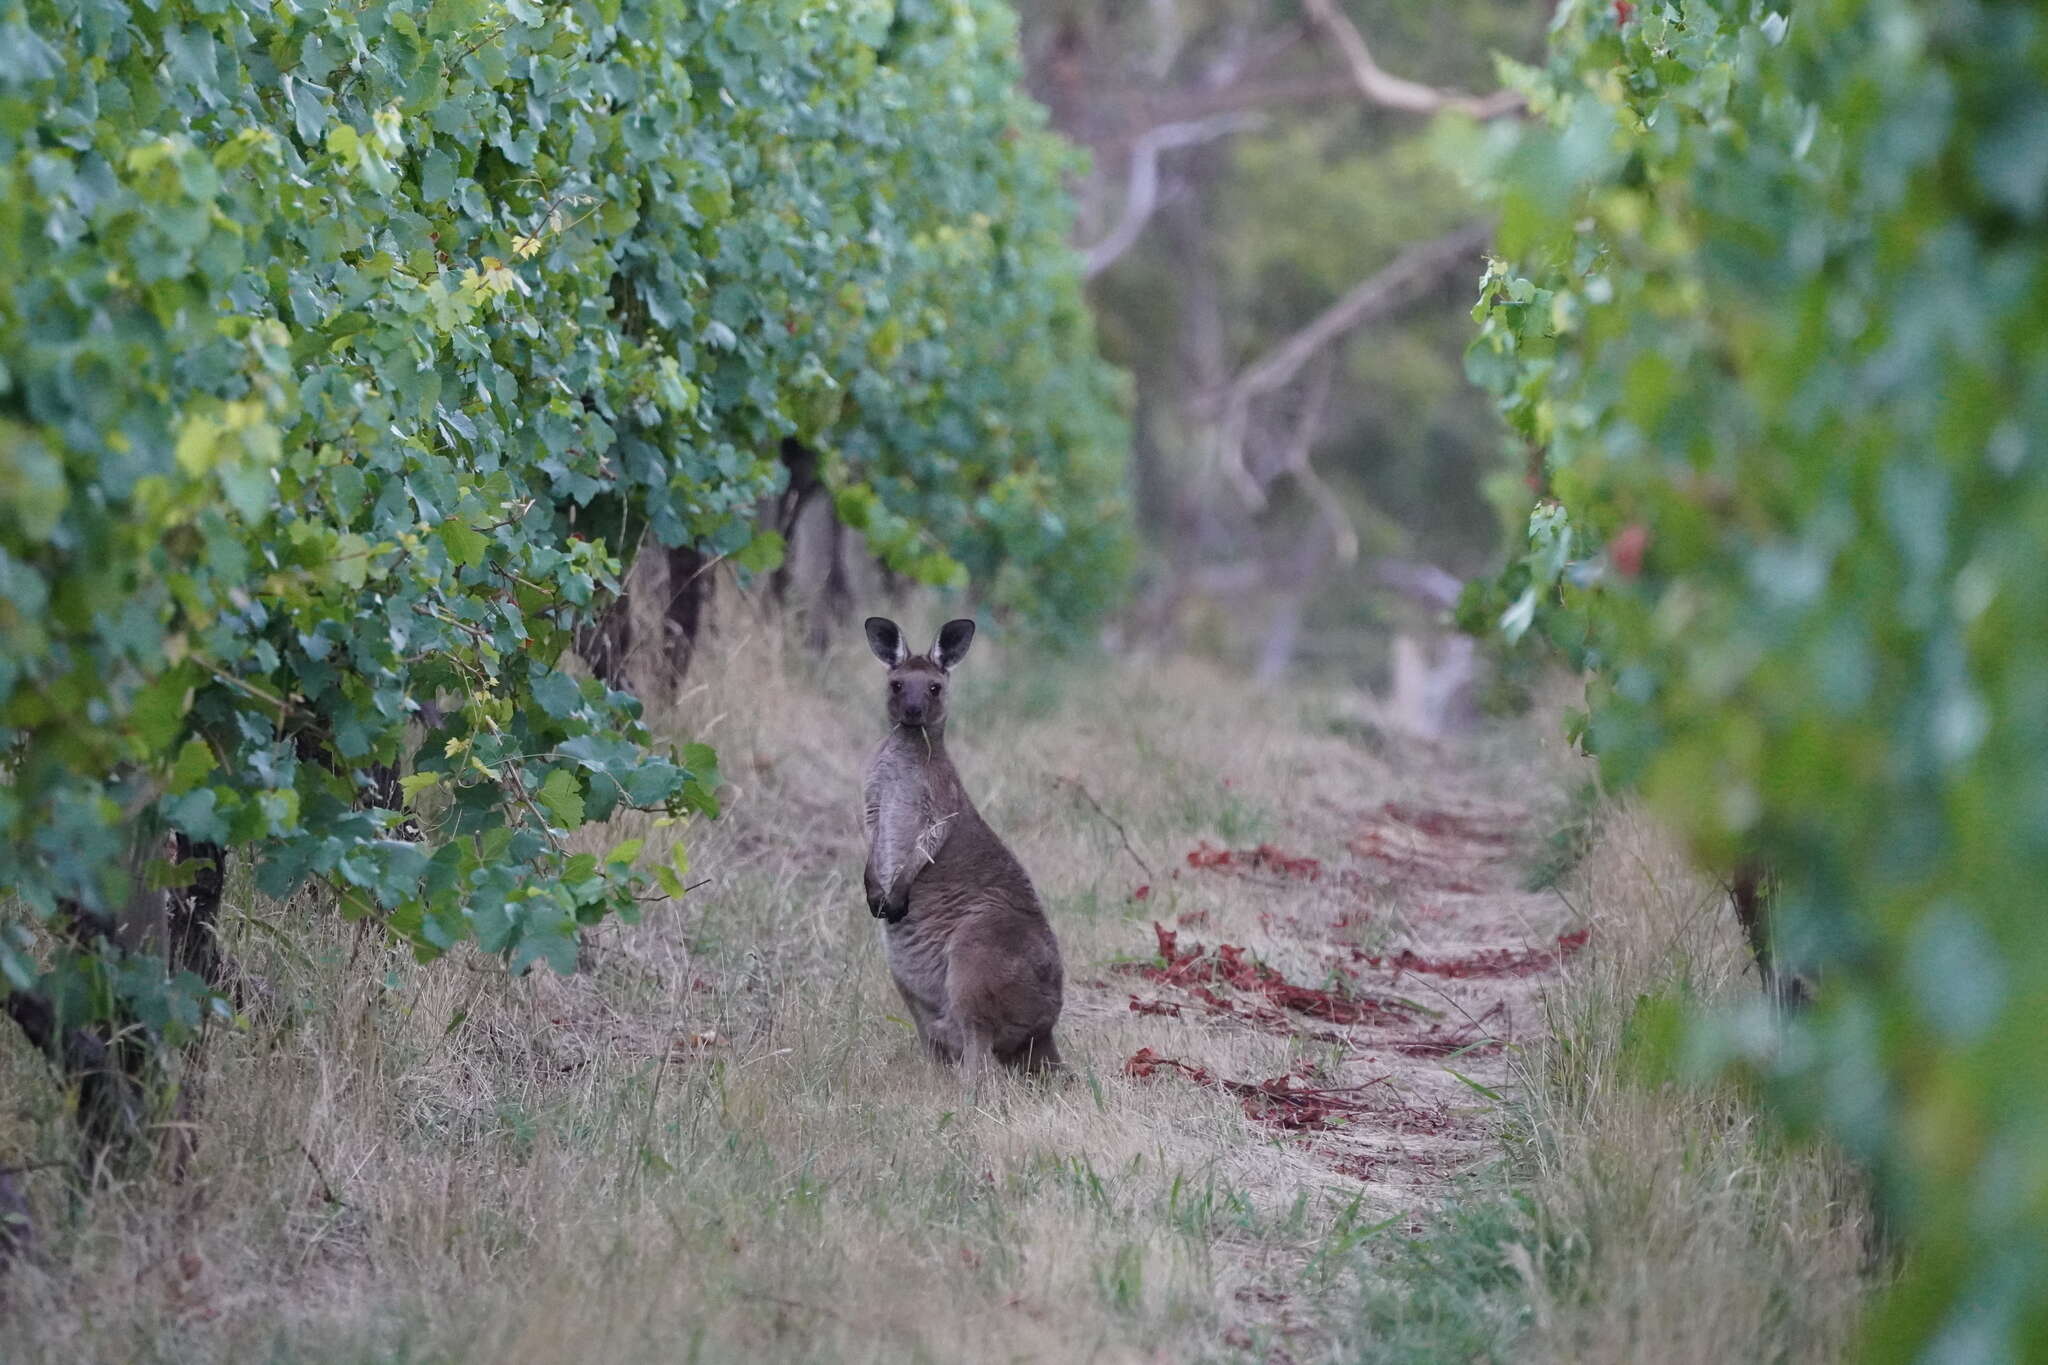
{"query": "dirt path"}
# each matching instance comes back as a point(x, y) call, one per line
point(1401, 971)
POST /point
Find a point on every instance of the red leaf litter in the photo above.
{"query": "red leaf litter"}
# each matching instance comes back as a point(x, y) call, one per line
point(1264, 858)
point(1145, 1062)
point(1282, 1101)
point(1408, 864)
point(1444, 824)
point(1384, 1130)
point(1194, 970)
point(1142, 893)
point(1485, 962)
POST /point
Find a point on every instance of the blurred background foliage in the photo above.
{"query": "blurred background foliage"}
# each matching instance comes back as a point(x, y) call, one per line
point(1279, 189)
point(1770, 313)
point(348, 358)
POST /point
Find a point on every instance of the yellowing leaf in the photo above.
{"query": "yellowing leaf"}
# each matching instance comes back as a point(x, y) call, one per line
point(351, 564)
point(563, 797)
point(466, 545)
point(195, 761)
point(415, 783)
point(762, 553)
point(199, 443)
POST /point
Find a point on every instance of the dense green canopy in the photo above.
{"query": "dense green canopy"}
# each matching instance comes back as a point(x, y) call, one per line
point(1772, 313)
point(346, 351)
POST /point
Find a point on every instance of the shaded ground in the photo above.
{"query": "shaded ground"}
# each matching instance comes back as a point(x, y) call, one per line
point(1417, 958)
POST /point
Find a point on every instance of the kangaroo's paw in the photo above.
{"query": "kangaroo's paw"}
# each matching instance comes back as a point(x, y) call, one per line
point(888, 906)
point(878, 895)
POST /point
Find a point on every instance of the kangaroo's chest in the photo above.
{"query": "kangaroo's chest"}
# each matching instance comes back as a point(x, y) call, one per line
point(906, 795)
point(894, 788)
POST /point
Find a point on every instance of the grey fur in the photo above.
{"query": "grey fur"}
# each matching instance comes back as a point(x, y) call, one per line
point(967, 941)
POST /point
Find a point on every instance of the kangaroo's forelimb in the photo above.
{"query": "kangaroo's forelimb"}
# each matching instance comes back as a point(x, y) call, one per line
point(923, 853)
point(902, 841)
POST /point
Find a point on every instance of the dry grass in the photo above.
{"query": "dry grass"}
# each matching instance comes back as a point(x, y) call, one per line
point(719, 1142)
point(1673, 1223)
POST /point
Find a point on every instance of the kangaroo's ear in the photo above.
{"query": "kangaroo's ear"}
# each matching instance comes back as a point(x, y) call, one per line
point(954, 637)
point(886, 641)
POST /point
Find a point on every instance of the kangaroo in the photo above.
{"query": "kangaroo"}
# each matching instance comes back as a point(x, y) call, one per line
point(966, 939)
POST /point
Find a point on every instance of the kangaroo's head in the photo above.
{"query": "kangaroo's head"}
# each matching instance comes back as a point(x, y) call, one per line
point(918, 682)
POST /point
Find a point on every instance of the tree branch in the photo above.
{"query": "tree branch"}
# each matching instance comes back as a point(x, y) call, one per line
point(1115, 823)
point(1343, 535)
point(1250, 53)
point(1319, 87)
point(1423, 582)
point(1228, 104)
point(1166, 36)
point(1141, 195)
point(1410, 275)
point(1396, 92)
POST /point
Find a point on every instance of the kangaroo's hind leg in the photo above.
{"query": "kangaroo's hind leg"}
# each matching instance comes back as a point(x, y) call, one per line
point(941, 1041)
point(1037, 1055)
point(977, 1055)
point(1042, 1056)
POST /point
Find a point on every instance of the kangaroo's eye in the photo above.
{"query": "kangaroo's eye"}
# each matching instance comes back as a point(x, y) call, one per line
point(935, 689)
point(895, 686)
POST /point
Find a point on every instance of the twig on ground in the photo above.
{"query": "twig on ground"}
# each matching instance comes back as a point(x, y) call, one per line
point(1115, 823)
point(326, 1188)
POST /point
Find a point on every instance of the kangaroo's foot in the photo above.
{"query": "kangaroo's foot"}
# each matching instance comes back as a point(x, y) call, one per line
point(1039, 1056)
point(977, 1058)
point(941, 1044)
point(936, 1034)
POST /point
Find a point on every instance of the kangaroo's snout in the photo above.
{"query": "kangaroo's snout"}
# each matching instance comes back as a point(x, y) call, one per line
point(918, 697)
